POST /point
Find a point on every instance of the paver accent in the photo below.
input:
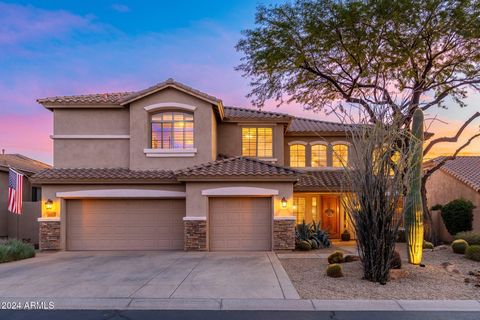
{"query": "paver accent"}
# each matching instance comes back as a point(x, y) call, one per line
point(49, 235)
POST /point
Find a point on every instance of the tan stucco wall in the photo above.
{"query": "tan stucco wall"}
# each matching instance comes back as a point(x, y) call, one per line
point(230, 139)
point(91, 153)
point(443, 188)
point(3, 204)
point(310, 139)
point(197, 204)
point(91, 121)
point(140, 132)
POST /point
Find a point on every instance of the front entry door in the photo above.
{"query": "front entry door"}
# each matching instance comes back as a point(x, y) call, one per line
point(330, 215)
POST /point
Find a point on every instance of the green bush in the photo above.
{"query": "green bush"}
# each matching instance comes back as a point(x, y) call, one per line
point(473, 252)
point(336, 257)
point(396, 262)
point(427, 245)
point(16, 250)
point(459, 246)
point(458, 216)
point(472, 237)
point(334, 270)
point(351, 258)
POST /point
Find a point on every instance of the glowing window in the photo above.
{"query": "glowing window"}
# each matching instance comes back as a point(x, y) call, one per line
point(319, 155)
point(257, 142)
point(299, 208)
point(297, 155)
point(172, 130)
point(340, 155)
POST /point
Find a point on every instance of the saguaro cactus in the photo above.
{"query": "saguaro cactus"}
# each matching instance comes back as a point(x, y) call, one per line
point(413, 214)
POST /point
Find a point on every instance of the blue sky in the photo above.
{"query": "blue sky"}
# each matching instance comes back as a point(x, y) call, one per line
point(72, 47)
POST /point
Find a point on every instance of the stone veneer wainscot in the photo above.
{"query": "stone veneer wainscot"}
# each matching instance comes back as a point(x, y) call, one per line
point(284, 233)
point(195, 234)
point(49, 234)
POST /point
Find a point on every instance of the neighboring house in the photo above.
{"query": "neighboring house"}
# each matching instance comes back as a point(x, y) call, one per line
point(458, 178)
point(170, 167)
point(27, 228)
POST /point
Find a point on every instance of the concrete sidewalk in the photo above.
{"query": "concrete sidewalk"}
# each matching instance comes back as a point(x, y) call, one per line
point(249, 304)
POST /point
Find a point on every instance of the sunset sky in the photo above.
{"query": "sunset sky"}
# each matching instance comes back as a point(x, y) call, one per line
point(59, 47)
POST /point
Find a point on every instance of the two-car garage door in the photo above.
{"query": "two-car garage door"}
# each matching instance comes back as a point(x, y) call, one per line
point(125, 224)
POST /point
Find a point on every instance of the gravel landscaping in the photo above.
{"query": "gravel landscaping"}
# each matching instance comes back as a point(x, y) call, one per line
point(443, 277)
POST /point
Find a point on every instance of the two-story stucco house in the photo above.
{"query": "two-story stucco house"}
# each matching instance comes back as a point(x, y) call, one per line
point(170, 167)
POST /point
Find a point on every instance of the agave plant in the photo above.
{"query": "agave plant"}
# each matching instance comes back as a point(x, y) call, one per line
point(320, 236)
point(303, 231)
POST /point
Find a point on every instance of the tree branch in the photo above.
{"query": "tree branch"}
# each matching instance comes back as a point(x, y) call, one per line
point(451, 139)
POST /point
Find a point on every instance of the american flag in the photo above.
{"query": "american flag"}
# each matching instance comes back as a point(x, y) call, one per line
point(15, 191)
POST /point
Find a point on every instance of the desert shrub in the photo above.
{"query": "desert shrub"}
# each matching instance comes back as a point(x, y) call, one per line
point(473, 252)
point(351, 258)
point(472, 237)
point(458, 216)
point(16, 250)
point(320, 236)
point(436, 207)
point(401, 236)
point(304, 245)
point(336, 257)
point(396, 261)
point(335, 270)
point(459, 246)
point(427, 245)
point(313, 234)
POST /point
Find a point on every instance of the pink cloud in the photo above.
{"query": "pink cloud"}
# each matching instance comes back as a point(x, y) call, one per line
point(25, 23)
point(28, 135)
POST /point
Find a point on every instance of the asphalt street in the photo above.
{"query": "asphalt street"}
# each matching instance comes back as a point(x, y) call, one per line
point(235, 315)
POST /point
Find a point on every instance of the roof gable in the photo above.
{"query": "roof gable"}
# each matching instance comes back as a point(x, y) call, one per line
point(22, 163)
point(464, 168)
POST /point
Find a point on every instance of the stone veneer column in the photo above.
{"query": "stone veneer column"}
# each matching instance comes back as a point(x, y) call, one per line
point(49, 238)
point(284, 233)
point(195, 237)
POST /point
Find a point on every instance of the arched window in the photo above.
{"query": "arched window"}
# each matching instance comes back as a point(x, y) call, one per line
point(340, 155)
point(172, 130)
point(319, 155)
point(297, 155)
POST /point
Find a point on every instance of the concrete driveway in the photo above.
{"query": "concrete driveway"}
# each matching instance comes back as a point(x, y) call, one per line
point(257, 275)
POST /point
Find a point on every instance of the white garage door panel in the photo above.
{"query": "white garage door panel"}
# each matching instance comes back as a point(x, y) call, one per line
point(240, 224)
point(125, 224)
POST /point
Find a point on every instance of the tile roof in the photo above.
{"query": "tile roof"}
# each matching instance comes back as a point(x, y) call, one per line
point(21, 163)
point(465, 169)
point(167, 83)
point(96, 98)
point(302, 125)
point(322, 180)
point(237, 113)
point(112, 174)
point(237, 167)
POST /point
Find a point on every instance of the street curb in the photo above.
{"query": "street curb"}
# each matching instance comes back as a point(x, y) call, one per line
point(244, 304)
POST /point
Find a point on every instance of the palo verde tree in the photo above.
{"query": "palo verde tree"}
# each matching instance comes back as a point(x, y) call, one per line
point(379, 56)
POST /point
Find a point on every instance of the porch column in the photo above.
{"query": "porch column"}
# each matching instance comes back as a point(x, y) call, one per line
point(49, 237)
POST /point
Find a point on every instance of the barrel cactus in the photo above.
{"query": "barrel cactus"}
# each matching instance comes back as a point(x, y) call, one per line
point(413, 214)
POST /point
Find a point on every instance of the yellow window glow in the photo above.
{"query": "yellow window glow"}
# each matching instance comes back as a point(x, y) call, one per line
point(319, 155)
point(340, 155)
point(257, 142)
point(297, 155)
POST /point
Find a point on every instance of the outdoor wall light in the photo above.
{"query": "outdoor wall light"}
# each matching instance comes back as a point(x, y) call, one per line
point(284, 203)
point(49, 204)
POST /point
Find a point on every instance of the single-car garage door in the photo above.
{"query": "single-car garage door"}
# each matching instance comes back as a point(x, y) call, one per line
point(125, 224)
point(240, 224)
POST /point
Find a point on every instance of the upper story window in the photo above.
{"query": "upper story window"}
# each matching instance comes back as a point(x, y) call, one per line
point(172, 130)
point(319, 155)
point(257, 142)
point(297, 155)
point(340, 155)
